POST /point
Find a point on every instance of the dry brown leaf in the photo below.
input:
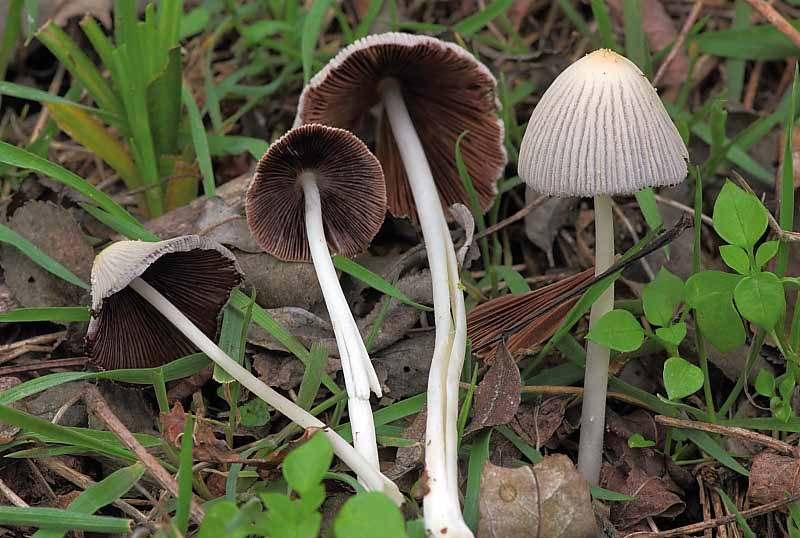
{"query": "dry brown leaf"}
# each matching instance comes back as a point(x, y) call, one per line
point(53, 230)
point(409, 458)
point(536, 423)
point(652, 495)
point(547, 500)
point(7, 431)
point(543, 223)
point(207, 447)
point(772, 477)
point(498, 396)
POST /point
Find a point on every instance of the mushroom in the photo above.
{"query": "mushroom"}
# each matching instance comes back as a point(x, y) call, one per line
point(430, 93)
point(318, 186)
point(600, 129)
point(155, 302)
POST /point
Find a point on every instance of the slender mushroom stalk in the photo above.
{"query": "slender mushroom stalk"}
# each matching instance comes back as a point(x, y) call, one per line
point(600, 129)
point(318, 186)
point(595, 385)
point(431, 92)
point(199, 275)
point(359, 374)
point(441, 504)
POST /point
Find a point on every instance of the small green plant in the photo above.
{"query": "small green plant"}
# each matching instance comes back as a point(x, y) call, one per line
point(721, 302)
point(296, 514)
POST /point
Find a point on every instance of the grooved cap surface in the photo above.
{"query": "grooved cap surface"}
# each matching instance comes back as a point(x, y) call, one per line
point(600, 128)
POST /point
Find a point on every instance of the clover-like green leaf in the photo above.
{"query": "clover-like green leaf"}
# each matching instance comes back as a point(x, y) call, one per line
point(617, 330)
point(766, 251)
point(306, 465)
point(661, 297)
point(674, 334)
point(739, 217)
point(681, 378)
point(369, 514)
point(765, 383)
point(760, 299)
point(736, 258)
point(637, 440)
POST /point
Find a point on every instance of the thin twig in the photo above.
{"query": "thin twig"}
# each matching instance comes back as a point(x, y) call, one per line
point(11, 495)
point(777, 20)
point(44, 365)
point(676, 48)
point(732, 431)
point(718, 522)
point(84, 482)
point(513, 218)
point(98, 405)
point(683, 207)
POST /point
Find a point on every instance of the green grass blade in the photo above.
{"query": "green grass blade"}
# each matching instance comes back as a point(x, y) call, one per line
point(92, 135)
point(740, 519)
point(185, 478)
point(99, 40)
point(131, 230)
point(32, 94)
point(735, 68)
point(312, 377)
point(178, 369)
point(99, 495)
point(515, 281)
point(312, 26)
point(476, 22)
point(761, 42)
point(373, 11)
point(601, 16)
point(635, 43)
point(533, 455)
point(708, 445)
point(374, 281)
point(649, 207)
point(24, 159)
point(13, 27)
point(60, 434)
point(54, 518)
point(10, 237)
point(577, 20)
point(478, 456)
point(164, 97)
point(79, 66)
point(200, 142)
point(49, 313)
point(236, 145)
point(786, 215)
point(234, 324)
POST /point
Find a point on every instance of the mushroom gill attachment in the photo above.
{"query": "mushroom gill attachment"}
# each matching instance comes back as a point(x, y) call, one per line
point(447, 92)
point(125, 331)
point(600, 128)
point(351, 189)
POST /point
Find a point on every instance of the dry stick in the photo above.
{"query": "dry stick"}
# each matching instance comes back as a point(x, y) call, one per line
point(718, 522)
point(676, 48)
point(741, 433)
point(11, 495)
point(513, 218)
point(84, 482)
point(683, 207)
point(100, 407)
point(777, 20)
point(44, 365)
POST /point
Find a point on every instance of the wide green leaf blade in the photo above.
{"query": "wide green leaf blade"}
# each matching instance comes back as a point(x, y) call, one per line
point(54, 518)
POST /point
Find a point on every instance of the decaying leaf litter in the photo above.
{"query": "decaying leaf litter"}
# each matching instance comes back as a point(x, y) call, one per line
point(683, 451)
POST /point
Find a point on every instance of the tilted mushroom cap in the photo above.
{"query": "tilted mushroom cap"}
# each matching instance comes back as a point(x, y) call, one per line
point(351, 190)
point(125, 331)
point(600, 128)
point(446, 90)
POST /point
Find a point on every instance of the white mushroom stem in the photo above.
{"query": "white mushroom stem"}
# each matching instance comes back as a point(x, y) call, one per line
point(595, 380)
point(372, 479)
point(359, 375)
point(441, 503)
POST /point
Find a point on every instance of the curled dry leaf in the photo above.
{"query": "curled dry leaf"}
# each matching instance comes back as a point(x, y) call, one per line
point(466, 252)
point(54, 231)
point(536, 423)
point(411, 457)
point(547, 500)
point(543, 223)
point(772, 477)
point(498, 396)
point(652, 495)
point(207, 447)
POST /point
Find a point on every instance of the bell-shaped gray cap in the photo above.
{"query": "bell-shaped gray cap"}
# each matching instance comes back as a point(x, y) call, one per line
point(600, 128)
point(195, 274)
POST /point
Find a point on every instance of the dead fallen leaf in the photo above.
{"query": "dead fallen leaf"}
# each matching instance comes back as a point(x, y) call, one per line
point(547, 500)
point(543, 223)
point(173, 423)
point(652, 495)
point(53, 230)
point(406, 364)
point(466, 252)
point(497, 396)
point(409, 458)
point(772, 477)
point(280, 284)
point(537, 422)
point(7, 431)
point(206, 445)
